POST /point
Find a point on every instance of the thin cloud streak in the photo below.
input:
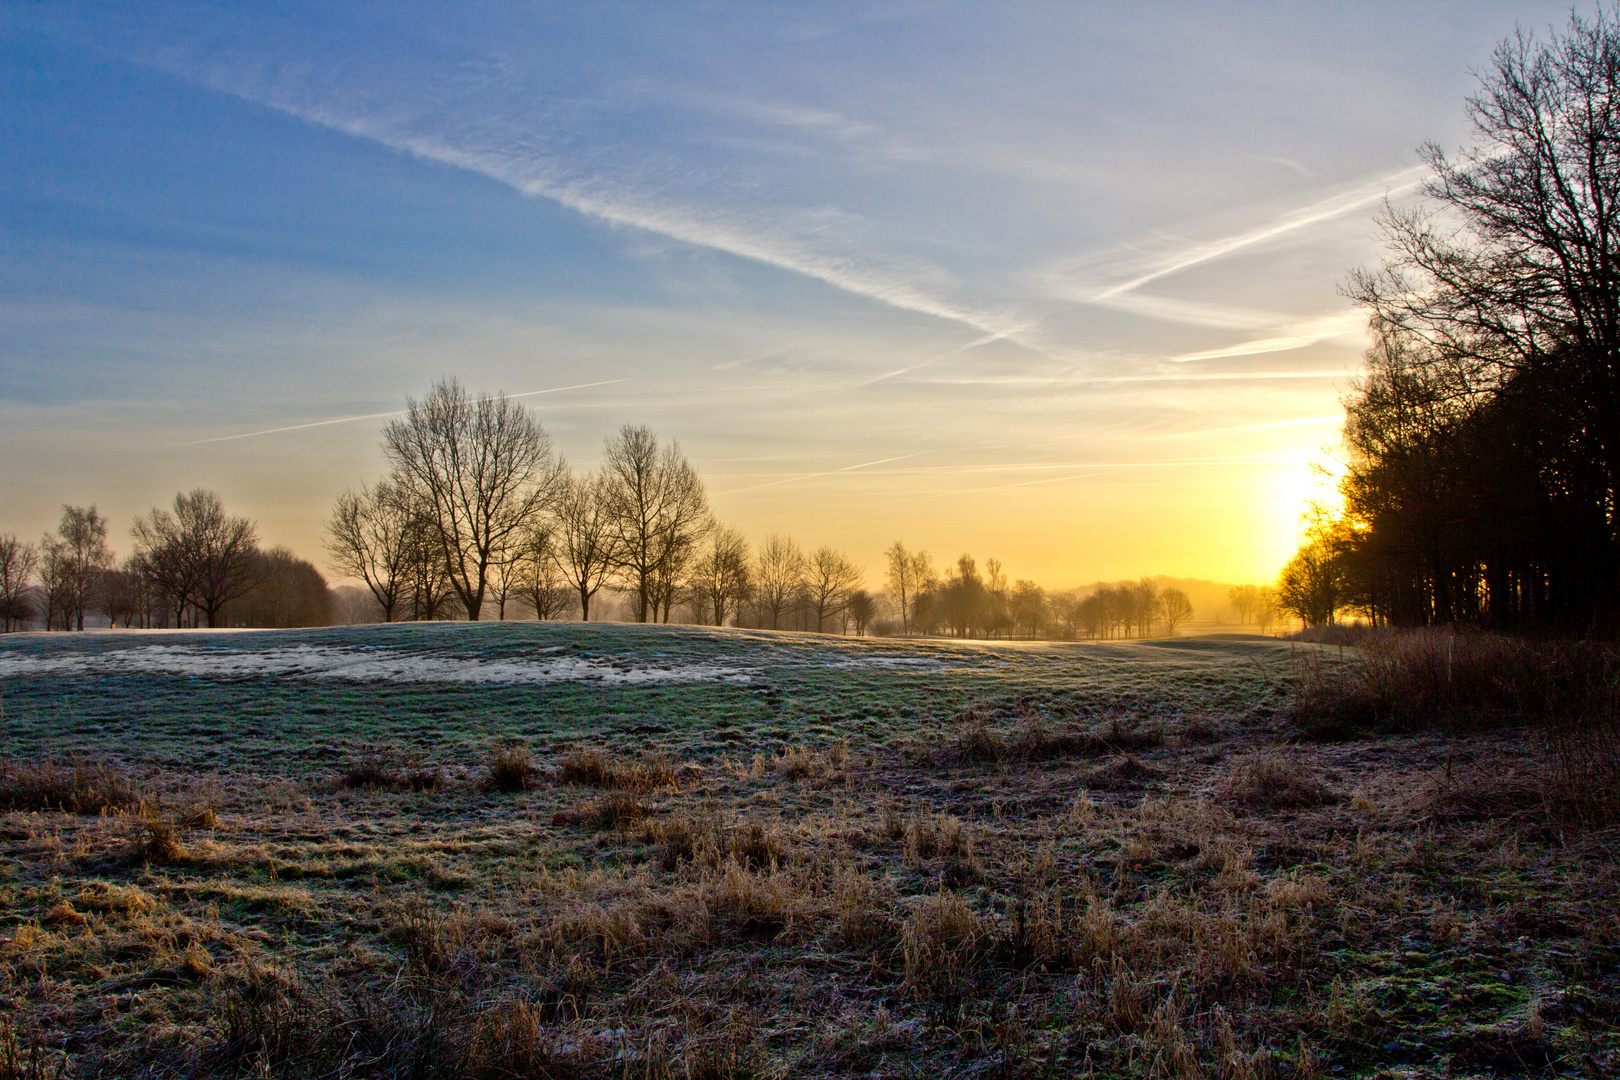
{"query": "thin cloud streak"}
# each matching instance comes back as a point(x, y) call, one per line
point(1336, 206)
point(829, 472)
point(376, 416)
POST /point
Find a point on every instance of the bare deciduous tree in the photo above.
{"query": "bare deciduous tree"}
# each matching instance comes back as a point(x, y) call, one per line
point(659, 514)
point(829, 578)
point(910, 574)
point(1174, 608)
point(585, 548)
point(778, 576)
point(18, 561)
point(368, 537)
point(76, 557)
point(484, 467)
point(1029, 608)
point(720, 579)
point(197, 553)
point(534, 575)
point(862, 608)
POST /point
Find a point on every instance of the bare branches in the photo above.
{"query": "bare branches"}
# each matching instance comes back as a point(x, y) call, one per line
point(369, 537)
point(197, 554)
point(18, 561)
point(484, 468)
point(658, 513)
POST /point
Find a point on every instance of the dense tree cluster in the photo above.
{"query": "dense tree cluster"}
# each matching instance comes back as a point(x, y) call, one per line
point(1483, 441)
point(192, 565)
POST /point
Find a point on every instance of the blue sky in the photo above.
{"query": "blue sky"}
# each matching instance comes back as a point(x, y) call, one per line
point(1052, 283)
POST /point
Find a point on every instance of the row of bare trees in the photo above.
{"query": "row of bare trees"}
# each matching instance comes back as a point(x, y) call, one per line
point(192, 564)
point(965, 603)
point(479, 511)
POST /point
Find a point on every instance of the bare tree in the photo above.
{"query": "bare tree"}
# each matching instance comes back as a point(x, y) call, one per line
point(484, 467)
point(585, 550)
point(1174, 608)
point(18, 561)
point(658, 513)
point(778, 576)
point(368, 537)
point(829, 578)
point(76, 556)
point(720, 580)
point(902, 579)
point(1245, 601)
point(199, 554)
point(124, 595)
point(534, 575)
point(1143, 604)
point(1029, 608)
point(861, 608)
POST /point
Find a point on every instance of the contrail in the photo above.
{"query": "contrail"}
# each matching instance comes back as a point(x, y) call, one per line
point(378, 415)
point(1310, 215)
point(829, 472)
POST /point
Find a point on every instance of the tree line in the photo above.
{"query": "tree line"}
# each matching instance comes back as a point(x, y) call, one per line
point(192, 564)
point(1482, 442)
point(478, 516)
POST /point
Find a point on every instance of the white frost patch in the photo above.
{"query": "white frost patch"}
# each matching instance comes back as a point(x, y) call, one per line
point(327, 663)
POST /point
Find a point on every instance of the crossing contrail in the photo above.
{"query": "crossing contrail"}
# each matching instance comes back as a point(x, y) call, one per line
point(378, 415)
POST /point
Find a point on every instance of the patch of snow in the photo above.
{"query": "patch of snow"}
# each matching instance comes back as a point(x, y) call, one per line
point(368, 664)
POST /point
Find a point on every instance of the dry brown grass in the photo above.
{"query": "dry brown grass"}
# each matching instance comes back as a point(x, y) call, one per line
point(1160, 912)
point(1465, 681)
point(391, 768)
point(512, 768)
point(594, 767)
point(79, 787)
point(1273, 780)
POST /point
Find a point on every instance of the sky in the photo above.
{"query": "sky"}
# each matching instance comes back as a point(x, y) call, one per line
point(1057, 284)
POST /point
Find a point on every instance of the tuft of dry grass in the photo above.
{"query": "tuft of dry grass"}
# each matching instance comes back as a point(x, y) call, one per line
point(594, 767)
point(157, 842)
point(81, 787)
point(512, 768)
point(389, 768)
point(614, 810)
point(1274, 781)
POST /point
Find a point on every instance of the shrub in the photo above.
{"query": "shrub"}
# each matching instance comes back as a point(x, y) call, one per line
point(1406, 680)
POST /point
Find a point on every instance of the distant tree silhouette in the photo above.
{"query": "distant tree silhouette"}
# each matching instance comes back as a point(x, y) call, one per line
point(658, 513)
point(1174, 608)
point(18, 561)
point(721, 580)
point(586, 549)
point(862, 608)
point(369, 537)
point(829, 579)
point(778, 577)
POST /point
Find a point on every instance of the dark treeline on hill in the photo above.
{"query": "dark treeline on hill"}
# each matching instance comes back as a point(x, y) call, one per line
point(1483, 441)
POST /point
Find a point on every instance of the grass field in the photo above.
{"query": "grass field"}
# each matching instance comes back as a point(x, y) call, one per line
point(559, 850)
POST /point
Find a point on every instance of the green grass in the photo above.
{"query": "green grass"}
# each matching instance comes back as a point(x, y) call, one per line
point(795, 691)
